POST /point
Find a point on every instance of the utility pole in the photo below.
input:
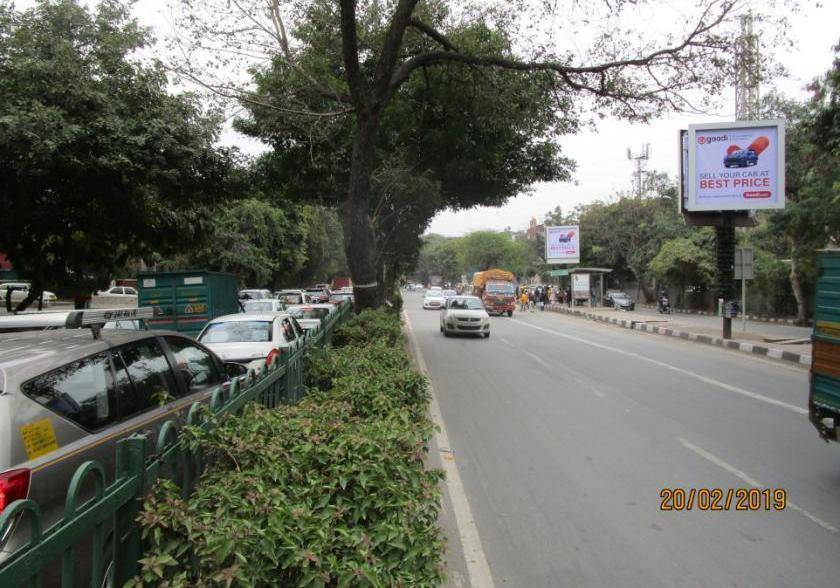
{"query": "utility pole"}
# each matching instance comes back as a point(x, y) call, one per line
point(641, 159)
point(746, 108)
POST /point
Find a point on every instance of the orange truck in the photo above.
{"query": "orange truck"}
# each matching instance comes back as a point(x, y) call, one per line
point(497, 289)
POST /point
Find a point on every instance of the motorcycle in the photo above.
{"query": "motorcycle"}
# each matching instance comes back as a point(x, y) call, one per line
point(664, 306)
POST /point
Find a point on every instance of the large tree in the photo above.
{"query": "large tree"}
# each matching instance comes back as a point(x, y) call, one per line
point(352, 59)
point(98, 162)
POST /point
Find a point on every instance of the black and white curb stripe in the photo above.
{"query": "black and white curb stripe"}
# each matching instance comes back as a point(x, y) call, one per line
point(771, 352)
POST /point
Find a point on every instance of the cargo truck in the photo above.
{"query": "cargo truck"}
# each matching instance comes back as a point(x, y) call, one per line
point(187, 300)
point(497, 289)
point(824, 396)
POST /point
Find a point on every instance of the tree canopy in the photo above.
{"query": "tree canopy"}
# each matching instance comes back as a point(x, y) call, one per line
point(98, 162)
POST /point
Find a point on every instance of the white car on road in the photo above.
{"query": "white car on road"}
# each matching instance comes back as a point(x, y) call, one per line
point(262, 305)
point(244, 338)
point(20, 290)
point(121, 291)
point(433, 300)
point(465, 314)
point(311, 316)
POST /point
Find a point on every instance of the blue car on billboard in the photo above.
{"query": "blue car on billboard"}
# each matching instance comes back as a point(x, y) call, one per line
point(740, 158)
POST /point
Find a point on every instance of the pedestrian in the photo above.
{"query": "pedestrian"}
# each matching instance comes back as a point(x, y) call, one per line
point(544, 299)
point(523, 300)
point(569, 296)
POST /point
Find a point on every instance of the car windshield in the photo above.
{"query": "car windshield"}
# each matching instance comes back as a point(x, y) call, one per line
point(499, 288)
point(258, 306)
point(620, 296)
point(466, 304)
point(308, 313)
point(450, 293)
point(237, 332)
point(291, 297)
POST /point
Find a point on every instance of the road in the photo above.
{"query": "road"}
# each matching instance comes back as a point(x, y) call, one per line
point(565, 431)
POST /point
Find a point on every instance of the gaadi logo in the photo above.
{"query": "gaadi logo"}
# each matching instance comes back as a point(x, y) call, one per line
point(703, 140)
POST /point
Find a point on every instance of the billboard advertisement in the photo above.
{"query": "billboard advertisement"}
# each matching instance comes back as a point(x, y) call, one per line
point(736, 166)
point(562, 244)
point(580, 286)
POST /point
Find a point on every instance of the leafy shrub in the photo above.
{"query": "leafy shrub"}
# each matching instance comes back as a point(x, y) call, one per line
point(369, 326)
point(331, 491)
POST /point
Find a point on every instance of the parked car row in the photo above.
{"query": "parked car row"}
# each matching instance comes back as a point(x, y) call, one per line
point(74, 383)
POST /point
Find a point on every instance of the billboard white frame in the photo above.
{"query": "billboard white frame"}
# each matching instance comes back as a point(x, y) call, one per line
point(691, 203)
point(567, 258)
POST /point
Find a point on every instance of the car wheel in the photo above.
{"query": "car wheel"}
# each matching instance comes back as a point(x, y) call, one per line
point(510, 313)
point(441, 328)
point(445, 332)
point(486, 335)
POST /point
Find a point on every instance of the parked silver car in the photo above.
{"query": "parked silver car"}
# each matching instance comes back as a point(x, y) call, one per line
point(67, 396)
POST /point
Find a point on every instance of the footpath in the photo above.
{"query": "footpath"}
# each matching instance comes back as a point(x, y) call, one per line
point(752, 341)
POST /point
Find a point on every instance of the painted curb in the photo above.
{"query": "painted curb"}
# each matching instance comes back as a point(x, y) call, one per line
point(751, 348)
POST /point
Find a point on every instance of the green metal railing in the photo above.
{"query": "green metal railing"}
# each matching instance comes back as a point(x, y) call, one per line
point(116, 506)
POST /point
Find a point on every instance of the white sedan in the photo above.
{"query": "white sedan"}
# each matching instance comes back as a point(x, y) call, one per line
point(311, 316)
point(465, 314)
point(261, 305)
point(433, 300)
point(244, 338)
point(20, 290)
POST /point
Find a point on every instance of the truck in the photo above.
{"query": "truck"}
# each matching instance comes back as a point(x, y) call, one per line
point(497, 289)
point(187, 300)
point(824, 393)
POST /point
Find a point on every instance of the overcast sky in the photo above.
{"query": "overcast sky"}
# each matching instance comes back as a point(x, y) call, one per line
point(601, 155)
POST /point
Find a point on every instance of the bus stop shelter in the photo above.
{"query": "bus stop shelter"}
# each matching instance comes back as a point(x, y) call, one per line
point(599, 271)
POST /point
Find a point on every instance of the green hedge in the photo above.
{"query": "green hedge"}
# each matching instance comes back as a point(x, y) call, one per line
point(329, 492)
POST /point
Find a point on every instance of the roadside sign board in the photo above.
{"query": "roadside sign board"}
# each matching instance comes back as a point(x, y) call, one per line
point(580, 286)
point(562, 244)
point(736, 166)
point(744, 266)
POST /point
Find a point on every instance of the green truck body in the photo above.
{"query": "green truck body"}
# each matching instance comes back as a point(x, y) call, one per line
point(824, 397)
point(187, 299)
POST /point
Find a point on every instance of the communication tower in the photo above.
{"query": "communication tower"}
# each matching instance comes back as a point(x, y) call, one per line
point(639, 174)
point(748, 71)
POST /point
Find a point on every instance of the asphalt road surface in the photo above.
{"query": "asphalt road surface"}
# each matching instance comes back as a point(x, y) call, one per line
point(565, 432)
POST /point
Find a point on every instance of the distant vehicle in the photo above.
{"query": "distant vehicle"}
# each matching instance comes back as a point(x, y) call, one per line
point(465, 315)
point(341, 298)
point(619, 301)
point(323, 286)
point(497, 290)
point(740, 158)
point(433, 300)
point(254, 294)
point(311, 316)
point(67, 397)
point(449, 293)
point(293, 297)
point(122, 291)
point(318, 295)
point(129, 318)
point(824, 394)
point(20, 290)
point(263, 305)
point(246, 338)
point(436, 289)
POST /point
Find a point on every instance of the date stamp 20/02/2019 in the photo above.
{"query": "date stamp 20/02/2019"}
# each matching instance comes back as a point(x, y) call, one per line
point(723, 499)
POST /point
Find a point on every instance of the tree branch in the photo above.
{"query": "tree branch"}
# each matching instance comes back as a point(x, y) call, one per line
point(350, 53)
point(432, 33)
point(390, 48)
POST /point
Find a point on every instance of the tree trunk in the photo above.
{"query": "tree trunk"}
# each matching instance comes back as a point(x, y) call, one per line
point(359, 238)
point(796, 285)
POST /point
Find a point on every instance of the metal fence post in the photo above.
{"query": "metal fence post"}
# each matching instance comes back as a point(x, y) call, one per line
point(128, 549)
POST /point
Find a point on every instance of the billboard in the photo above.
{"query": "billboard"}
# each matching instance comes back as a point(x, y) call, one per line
point(580, 286)
point(736, 166)
point(562, 244)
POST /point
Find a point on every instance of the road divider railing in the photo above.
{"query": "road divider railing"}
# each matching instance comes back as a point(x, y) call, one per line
point(109, 517)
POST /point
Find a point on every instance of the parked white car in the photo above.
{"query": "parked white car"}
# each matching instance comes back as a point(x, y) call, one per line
point(244, 338)
point(262, 305)
point(20, 290)
point(293, 296)
point(254, 294)
point(465, 314)
point(433, 300)
point(121, 291)
point(311, 316)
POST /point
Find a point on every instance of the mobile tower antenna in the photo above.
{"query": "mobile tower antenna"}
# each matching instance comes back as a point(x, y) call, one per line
point(641, 159)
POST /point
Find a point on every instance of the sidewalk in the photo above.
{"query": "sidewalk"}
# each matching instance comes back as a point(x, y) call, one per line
point(670, 326)
point(750, 317)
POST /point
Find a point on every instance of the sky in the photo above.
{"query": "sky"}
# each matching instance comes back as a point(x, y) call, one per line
point(603, 168)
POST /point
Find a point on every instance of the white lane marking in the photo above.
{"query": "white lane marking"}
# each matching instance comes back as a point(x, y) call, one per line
point(538, 359)
point(505, 341)
point(695, 375)
point(478, 569)
point(752, 482)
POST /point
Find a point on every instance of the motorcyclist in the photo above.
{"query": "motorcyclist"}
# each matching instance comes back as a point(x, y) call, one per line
point(664, 303)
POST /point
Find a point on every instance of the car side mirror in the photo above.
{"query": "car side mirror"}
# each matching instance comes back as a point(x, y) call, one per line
point(234, 370)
